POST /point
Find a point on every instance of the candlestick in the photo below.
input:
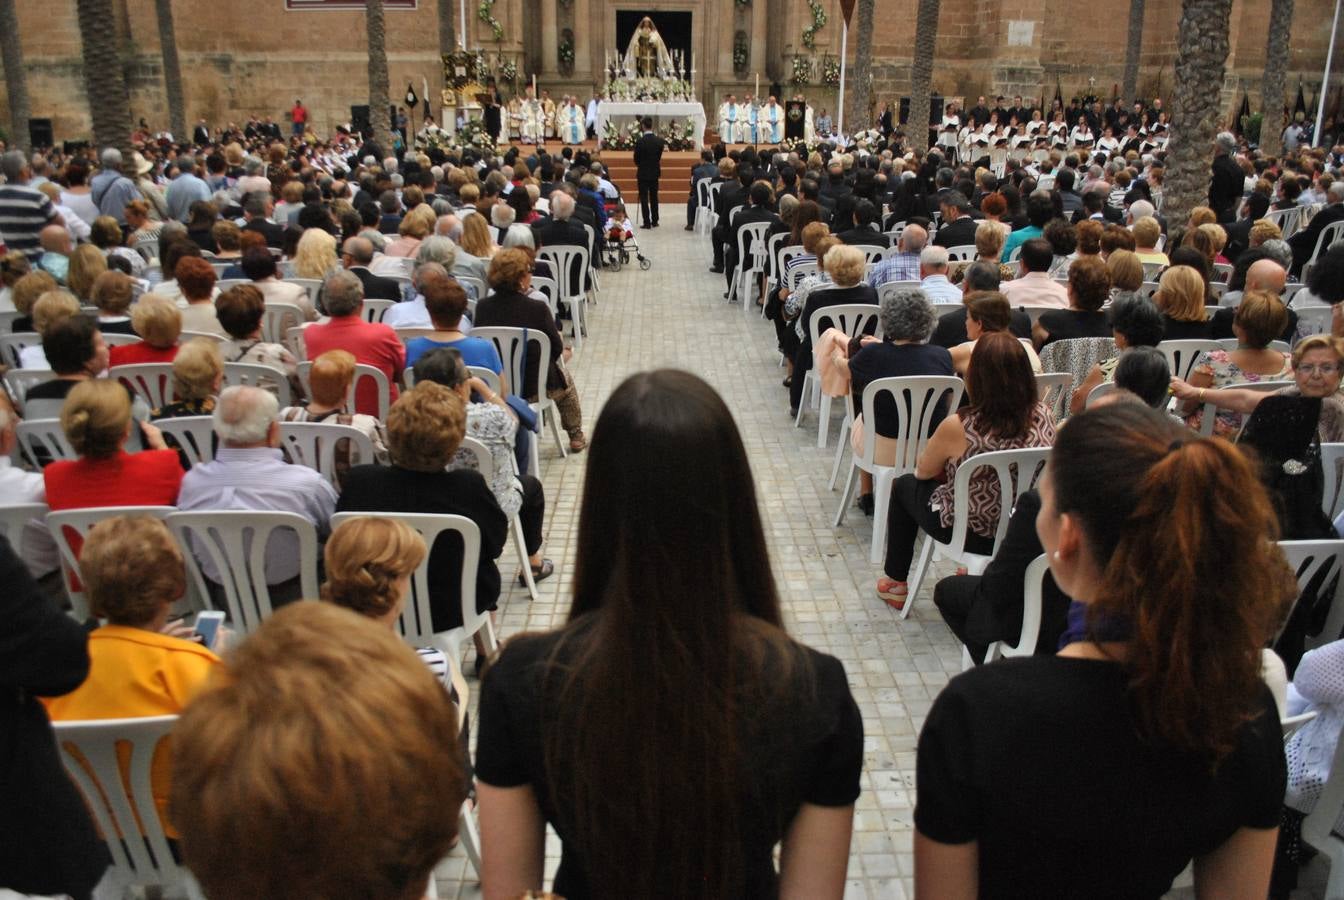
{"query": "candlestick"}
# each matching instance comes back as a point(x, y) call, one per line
point(757, 92)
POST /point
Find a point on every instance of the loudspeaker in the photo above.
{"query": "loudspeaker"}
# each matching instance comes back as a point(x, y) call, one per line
point(935, 110)
point(359, 119)
point(40, 133)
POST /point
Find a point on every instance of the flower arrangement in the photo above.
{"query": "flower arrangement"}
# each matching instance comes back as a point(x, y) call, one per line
point(566, 50)
point(620, 137)
point(802, 70)
point(830, 70)
point(740, 52)
point(818, 23)
point(485, 12)
point(473, 134)
point(658, 90)
point(744, 3)
point(483, 66)
point(508, 70)
point(679, 136)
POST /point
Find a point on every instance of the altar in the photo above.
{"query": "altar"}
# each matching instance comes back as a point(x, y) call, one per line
point(623, 112)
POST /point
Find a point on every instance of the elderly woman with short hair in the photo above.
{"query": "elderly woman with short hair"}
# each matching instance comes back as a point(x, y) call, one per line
point(105, 234)
point(989, 239)
point(845, 267)
point(158, 321)
point(241, 309)
point(1089, 289)
point(112, 293)
point(906, 319)
point(1135, 322)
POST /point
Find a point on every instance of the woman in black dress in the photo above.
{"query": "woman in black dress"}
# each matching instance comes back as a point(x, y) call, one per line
point(670, 731)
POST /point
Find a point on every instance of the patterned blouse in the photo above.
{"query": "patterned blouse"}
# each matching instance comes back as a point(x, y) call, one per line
point(494, 426)
point(1219, 366)
point(261, 353)
point(984, 485)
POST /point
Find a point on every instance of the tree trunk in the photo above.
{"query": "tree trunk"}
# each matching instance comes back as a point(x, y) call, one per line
point(109, 103)
point(379, 102)
point(921, 74)
point(1276, 75)
point(16, 81)
point(1196, 97)
point(1133, 44)
point(859, 77)
point(447, 31)
point(172, 70)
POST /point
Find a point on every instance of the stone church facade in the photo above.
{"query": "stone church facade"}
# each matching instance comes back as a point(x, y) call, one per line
point(256, 56)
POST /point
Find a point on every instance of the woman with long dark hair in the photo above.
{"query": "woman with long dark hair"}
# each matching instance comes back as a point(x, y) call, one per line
point(1104, 770)
point(670, 731)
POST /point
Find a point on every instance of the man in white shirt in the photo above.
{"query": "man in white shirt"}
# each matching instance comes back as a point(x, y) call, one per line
point(1035, 287)
point(249, 473)
point(933, 276)
point(33, 544)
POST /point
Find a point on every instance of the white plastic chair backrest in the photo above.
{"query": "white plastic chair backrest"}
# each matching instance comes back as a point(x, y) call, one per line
point(942, 309)
point(1319, 826)
point(702, 192)
point(373, 309)
point(1230, 344)
point(1100, 391)
point(1329, 234)
point(20, 381)
point(1316, 319)
point(895, 230)
point(224, 284)
point(1293, 724)
point(714, 188)
point(474, 287)
point(851, 318)
point(509, 343)
point(120, 340)
point(751, 239)
point(362, 371)
point(1182, 355)
point(570, 260)
point(68, 523)
point(801, 271)
point(416, 622)
point(491, 379)
point(1286, 219)
point(1148, 289)
point(195, 435)
point(91, 752)
point(1332, 499)
point(1206, 422)
point(257, 375)
point(1221, 272)
point(1035, 312)
point(1033, 588)
point(235, 541)
point(1290, 291)
point(773, 245)
point(153, 382)
point(961, 253)
point(405, 335)
point(1050, 386)
point(43, 440)
point(278, 319)
point(312, 285)
point(13, 518)
point(295, 343)
point(12, 344)
point(1017, 472)
point(891, 287)
point(1151, 271)
point(548, 287)
point(184, 336)
point(916, 398)
point(1316, 564)
point(485, 463)
point(7, 317)
point(1015, 253)
point(313, 444)
point(872, 253)
point(785, 253)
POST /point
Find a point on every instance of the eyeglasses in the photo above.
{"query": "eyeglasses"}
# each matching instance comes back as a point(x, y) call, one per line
point(1322, 368)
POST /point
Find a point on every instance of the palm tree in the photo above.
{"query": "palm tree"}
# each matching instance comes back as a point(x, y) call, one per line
point(1200, 56)
point(16, 82)
point(104, 81)
point(921, 74)
point(858, 114)
point(1276, 73)
point(447, 33)
point(172, 70)
point(1133, 43)
point(378, 88)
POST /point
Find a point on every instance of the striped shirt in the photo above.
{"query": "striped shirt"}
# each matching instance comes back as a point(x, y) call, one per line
point(24, 212)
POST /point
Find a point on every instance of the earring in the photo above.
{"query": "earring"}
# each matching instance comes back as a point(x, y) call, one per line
point(1055, 556)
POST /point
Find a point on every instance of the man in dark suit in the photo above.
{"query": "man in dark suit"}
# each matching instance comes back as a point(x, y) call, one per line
point(1304, 242)
point(704, 169)
point(1228, 182)
point(733, 193)
point(648, 169)
point(758, 211)
point(957, 228)
point(356, 255)
point(563, 230)
point(257, 211)
point(864, 233)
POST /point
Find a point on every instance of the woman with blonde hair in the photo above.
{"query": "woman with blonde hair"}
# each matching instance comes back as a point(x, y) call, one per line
point(415, 226)
point(989, 240)
point(476, 238)
point(158, 321)
point(198, 376)
point(316, 255)
point(112, 293)
point(25, 293)
point(51, 308)
point(13, 266)
point(86, 264)
point(1180, 298)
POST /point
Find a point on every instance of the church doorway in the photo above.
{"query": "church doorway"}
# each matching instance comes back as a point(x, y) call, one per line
point(673, 26)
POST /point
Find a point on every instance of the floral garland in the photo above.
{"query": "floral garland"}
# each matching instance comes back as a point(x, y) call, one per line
point(802, 70)
point(830, 70)
point(566, 51)
point(508, 70)
point(818, 23)
point(653, 89)
point(740, 52)
point(744, 3)
point(623, 137)
point(484, 12)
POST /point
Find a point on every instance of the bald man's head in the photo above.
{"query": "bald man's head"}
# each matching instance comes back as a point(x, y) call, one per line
point(1266, 275)
point(55, 239)
point(449, 226)
point(358, 250)
point(913, 238)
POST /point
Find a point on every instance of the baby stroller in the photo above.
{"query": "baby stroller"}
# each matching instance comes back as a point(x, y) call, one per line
point(617, 248)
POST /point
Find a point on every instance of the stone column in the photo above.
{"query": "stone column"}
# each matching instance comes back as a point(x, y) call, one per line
point(550, 38)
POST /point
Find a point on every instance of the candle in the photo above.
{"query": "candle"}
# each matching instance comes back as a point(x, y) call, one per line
point(757, 92)
point(534, 84)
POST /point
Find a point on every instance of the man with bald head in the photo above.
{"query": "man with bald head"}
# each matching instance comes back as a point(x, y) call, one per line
point(903, 265)
point(1264, 274)
point(356, 255)
point(56, 250)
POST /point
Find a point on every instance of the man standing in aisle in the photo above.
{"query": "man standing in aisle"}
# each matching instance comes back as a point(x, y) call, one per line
point(648, 169)
point(299, 117)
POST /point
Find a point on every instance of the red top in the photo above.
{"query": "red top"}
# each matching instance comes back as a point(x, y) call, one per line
point(149, 478)
point(299, 114)
point(371, 343)
point(137, 354)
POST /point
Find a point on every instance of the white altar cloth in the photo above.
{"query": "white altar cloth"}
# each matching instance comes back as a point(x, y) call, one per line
point(611, 109)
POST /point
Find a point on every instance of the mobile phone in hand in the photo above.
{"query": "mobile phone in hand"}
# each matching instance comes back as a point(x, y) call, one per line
point(207, 626)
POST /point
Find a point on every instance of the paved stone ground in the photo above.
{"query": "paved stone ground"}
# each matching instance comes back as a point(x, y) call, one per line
point(674, 315)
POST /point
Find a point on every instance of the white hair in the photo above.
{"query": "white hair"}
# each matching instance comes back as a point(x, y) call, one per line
point(390, 164)
point(1140, 208)
point(519, 236)
point(449, 226)
point(502, 215)
point(244, 415)
point(562, 206)
point(933, 257)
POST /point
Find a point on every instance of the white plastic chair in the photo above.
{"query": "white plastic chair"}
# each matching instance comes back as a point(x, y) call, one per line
point(1316, 319)
point(416, 622)
point(152, 382)
point(703, 205)
point(891, 287)
point(1318, 828)
point(259, 376)
point(373, 309)
point(1288, 220)
point(514, 354)
point(485, 464)
point(1148, 289)
point(1329, 234)
point(1230, 344)
point(362, 371)
point(1206, 421)
point(475, 288)
point(14, 517)
point(1182, 355)
point(550, 289)
point(235, 542)
point(1332, 499)
point(1033, 587)
point(313, 444)
point(1100, 391)
point(1028, 461)
point(852, 319)
point(12, 344)
point(120, 340)
point(91, 752)
point(43, 440)
point(18, 382)
point(961, 253)
point(1293, 724)
point(312, 285)
point(569, 263)
point(1221, 272)
point(65, 524)
point(184, 336)
point(751, 250)
point(195, 436)
point(1318, 565)
point(916, 399)
point(1050, 386)
point(278, 319)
